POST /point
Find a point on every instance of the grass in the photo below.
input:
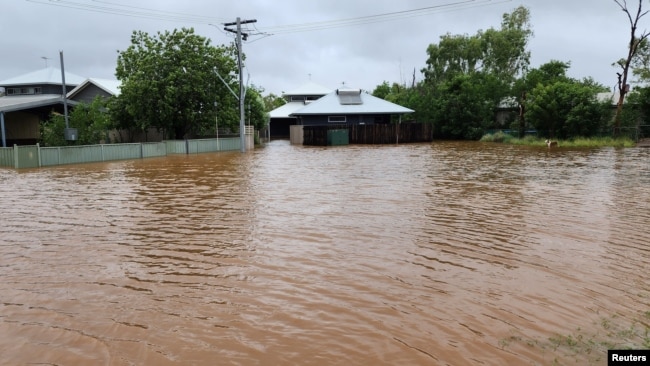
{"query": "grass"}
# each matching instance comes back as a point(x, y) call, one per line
point(579, 142)
point(591, 346)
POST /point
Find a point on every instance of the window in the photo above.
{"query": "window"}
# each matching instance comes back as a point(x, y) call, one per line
point(24, 91)
point(336, 119)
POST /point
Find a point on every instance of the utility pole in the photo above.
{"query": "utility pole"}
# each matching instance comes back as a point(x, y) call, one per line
point(242, 94)
point(65, 92)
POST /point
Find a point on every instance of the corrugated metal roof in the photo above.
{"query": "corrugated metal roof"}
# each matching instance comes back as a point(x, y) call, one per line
point(309, 88)
point(50, 75)
point(286, 110)
point(21, 102)
point(330, 105)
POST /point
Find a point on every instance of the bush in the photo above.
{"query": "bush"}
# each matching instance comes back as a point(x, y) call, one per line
point(499, 136)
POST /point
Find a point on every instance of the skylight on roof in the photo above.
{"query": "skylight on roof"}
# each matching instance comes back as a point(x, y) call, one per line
point(349, 96)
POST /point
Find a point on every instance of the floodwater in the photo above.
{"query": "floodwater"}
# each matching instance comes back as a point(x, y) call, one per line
point(429, 254)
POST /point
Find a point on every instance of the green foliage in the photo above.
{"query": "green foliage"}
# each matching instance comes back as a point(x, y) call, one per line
point(467, 77)
point(382, 91)
point(497, 137)
point(548, 73)
point(501, 52)
point(579, 142)
point(170, 82)
point(567, 108)
point(272, 101)
point(256, 113)
point(52, 131)
point(640, 62)
point(587, 346)
point(465, 105)
point(90, 119)
point(637, 108)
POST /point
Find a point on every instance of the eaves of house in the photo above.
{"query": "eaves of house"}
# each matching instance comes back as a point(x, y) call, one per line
point(350, 101)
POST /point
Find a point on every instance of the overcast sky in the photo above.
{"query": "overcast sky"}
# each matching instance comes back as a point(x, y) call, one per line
point(591, 34)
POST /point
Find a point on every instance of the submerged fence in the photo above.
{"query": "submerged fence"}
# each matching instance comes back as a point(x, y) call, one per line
point(371, 134)
point(34, 156)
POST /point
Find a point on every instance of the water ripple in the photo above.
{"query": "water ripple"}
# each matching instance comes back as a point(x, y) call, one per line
point(446, 252)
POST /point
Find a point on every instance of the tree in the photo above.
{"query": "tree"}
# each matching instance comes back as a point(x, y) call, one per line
point(567, 108)
point(463, 108)
point(633, 48)
point(499, 52)
point(91, 120)
point(491, 59)
point(546, 74)
point(171, 82)
point(256, 114)
point(382, 90)
point(272, 101)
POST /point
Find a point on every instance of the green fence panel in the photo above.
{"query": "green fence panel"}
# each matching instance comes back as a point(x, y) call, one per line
point(176, 146)
point(206, 145)
point(228, 144)
point(50, 156)
point(26, 157)
point(7, 157)
point(192, 146)
point(80, 154)
point(152, 149)
point(121, 151)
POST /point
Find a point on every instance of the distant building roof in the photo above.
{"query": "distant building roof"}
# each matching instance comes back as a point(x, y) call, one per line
point(309, 88)
point(50, 75)
point(111, 87)
point(608, 97)
point(285, 110)
point(341, 102)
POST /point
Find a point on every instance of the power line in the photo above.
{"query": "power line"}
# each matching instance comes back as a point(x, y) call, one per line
point(384, 17)
point(115, 8)
point(129, 11)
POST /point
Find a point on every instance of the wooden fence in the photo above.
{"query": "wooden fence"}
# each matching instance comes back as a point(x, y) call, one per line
point(371, 134)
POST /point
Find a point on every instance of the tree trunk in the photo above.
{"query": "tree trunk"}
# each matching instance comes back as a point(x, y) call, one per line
point(623, 87)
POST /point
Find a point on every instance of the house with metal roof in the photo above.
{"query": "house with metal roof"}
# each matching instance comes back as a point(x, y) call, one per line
point(91, 88)
point(30, 99)
point(313, 105)
point(281, 118)
point(350, 106)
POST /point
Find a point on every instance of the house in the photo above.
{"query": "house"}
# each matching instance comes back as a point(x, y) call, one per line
point(89, 89)
point(30, 99)
point(281, 118)
point(349, 106)
point(314, 105)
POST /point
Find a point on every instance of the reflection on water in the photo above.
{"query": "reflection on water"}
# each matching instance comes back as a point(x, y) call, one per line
point(443, 253)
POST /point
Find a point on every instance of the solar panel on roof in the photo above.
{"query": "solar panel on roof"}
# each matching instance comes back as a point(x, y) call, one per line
point(350, 96)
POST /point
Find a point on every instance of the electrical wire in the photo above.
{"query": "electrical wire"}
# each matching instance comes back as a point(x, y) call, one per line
point(115, 8)
point(379, 18)
point(129, 11)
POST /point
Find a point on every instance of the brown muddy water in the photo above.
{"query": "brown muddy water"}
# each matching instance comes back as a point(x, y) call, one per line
point(429, 254)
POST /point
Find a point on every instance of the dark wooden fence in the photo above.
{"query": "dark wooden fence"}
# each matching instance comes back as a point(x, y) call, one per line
point(371, 134)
